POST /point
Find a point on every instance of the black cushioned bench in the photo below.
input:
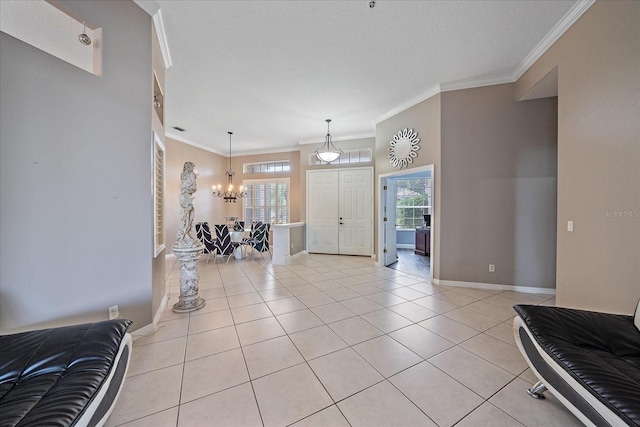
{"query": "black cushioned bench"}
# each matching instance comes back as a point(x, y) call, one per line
point(590, 361)
point(68, 376)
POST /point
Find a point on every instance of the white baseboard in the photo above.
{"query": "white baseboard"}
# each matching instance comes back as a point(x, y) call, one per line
point(495, 287)
point(152, 327)
point(405, 246)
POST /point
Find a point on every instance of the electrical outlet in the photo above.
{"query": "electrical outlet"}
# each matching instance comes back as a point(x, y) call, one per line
point(570, 226)
point(114, 313)
point(492, 268)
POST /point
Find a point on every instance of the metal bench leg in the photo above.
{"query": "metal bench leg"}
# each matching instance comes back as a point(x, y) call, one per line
point(537, 390)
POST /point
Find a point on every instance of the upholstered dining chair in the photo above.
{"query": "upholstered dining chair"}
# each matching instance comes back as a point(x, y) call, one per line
point(260, 240)
point(203, 232)
point(224, 245)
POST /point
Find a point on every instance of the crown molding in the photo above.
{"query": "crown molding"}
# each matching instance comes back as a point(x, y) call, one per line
point(338, 139)
point(194, 144)
point(235, 153)
point(552, 36)
point(410, 103)
point(158, 22)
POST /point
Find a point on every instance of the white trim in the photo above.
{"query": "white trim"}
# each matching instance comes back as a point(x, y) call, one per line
point(158, 23)
point(153, 326)
point(239, 153)
point(494, 286)
point(558, 30)
point(405, 246)
point(194, 144)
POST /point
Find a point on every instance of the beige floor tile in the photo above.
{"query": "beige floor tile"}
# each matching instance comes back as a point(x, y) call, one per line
point(270, 356)
point(166, 331)
point(332, 312)
point(294, 281)
point(442, 398)
point(317, 342)
point(206, 322)
point(231, 281)
point(211, 342)
point(147, 394)
point(490, 310)
point(412, 311)
point(330, 417)
point(315, 299)
point(211, 374)
point(275, 294)
point(406, 280)
point(341, 293)
point(299, 321)
point(361, 305)
point(244, 299)
point(299, 394)
point(211, 293)
point(259, 330)
point(298, 290)
point(365, 289)
point(386, 299)
point(327, 285)
point(474, 320)
point(514, 400)
point(162, 354)
point(476, 293)
point(407, 293)
point(529, 377)
point(167, 418)
point(248, 313)
point(425, 287)
point(501, 301)
point(382, 405)
point(421, 341)
point(386, 320)
point(488, 415)
point(239, 289)
point(497, 352)
point(454, 297)
point(355, 330)
point(482, 377)
point(449, 329)
point(435, 304)
point(344, 373)
point(285, 305)
point(233, 407)
point(213, 304)
point(524, 298)
point(387, 355)
point(503, 332)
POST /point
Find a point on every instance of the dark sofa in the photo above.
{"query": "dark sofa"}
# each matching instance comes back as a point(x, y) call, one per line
point(68, 376)
point(590, 361)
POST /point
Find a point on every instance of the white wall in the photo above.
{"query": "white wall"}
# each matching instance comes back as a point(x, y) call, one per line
point(75, 177)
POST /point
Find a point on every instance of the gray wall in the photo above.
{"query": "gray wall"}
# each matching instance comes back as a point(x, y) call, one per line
point(598, 62)
point(75, 177)
point(494, 183)
point(498, 187)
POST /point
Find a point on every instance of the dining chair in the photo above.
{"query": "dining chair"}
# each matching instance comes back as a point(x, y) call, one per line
point(224, 245)
point(203, 232)
point(260, 240)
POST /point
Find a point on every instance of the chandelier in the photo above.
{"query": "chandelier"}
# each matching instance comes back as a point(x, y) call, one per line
point(328, 152)
point(229, 195)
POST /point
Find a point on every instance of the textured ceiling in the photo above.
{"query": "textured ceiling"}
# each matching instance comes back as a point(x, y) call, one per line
point(273, 71)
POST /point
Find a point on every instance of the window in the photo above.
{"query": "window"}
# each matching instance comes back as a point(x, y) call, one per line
point(266, 200)
point(267, 167)
point(413, 196)
point(158, 195)
point(348, 157)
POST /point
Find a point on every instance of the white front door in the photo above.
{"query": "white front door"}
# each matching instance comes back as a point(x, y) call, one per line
point(390, 254)
point(340, 211)
point(356, 211)
point(322, 212)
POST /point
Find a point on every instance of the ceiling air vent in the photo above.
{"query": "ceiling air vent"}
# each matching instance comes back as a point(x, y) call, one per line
point(178, 128)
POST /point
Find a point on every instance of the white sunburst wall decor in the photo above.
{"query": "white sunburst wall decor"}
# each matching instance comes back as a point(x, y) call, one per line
point(403, 148)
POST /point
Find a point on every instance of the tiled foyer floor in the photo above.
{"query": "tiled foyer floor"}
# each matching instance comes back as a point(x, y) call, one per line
point(332, 341)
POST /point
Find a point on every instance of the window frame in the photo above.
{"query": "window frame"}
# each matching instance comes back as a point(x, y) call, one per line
point(266, 207)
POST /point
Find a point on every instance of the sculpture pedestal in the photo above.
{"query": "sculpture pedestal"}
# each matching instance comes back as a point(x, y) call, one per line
point(189, 299)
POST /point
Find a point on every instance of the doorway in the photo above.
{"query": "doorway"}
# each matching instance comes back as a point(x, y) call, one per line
point(340, 211)
point(395, 234)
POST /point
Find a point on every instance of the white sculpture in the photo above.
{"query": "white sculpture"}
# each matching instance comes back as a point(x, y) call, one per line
point(188, 247)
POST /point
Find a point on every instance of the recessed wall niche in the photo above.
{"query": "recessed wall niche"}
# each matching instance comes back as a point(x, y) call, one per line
point(47, 27)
